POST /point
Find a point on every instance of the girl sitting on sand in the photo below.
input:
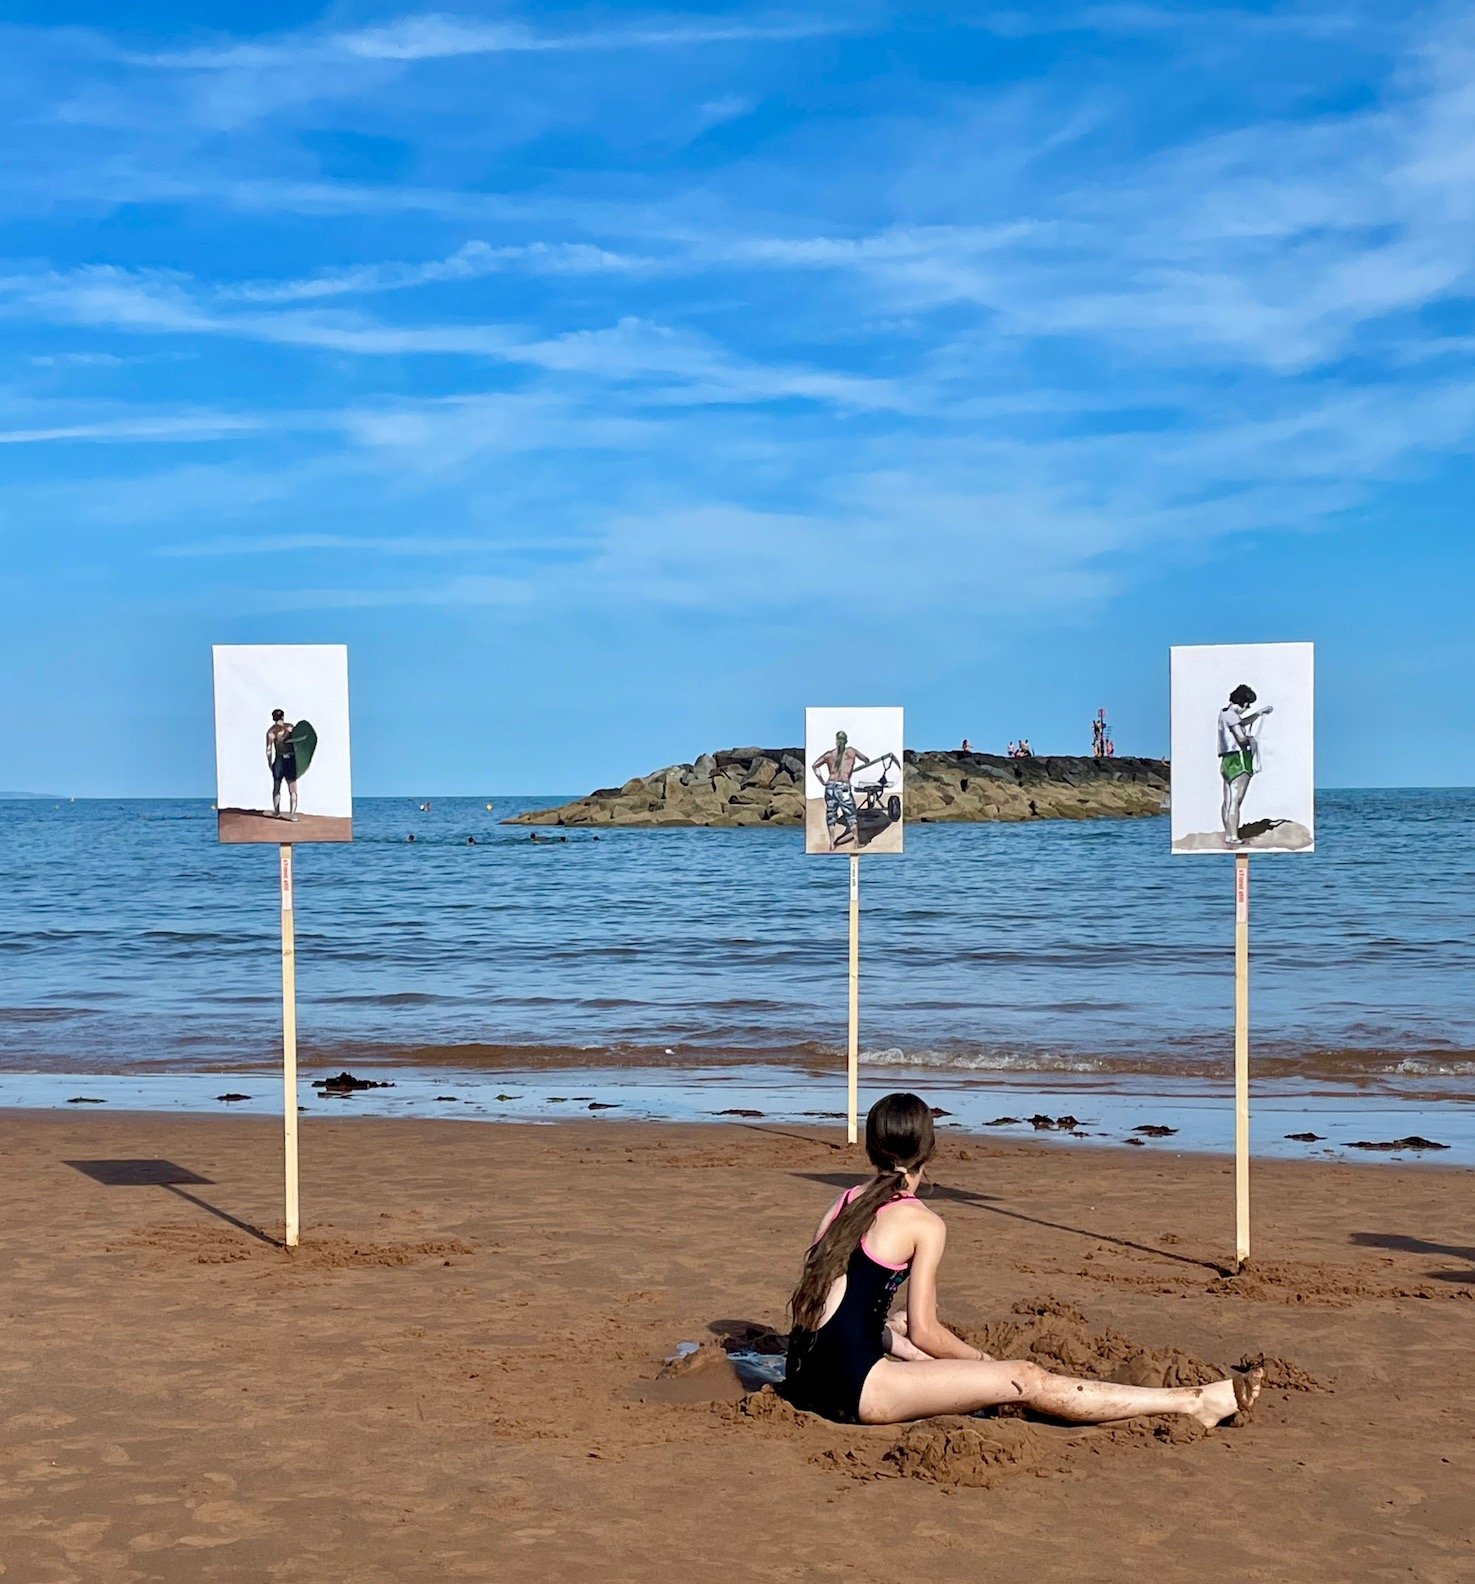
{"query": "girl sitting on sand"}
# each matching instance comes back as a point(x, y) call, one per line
point(849, 1361)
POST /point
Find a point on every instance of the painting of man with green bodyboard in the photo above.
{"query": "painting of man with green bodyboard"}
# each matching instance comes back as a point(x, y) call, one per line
point(289, 749)
point(255, 683)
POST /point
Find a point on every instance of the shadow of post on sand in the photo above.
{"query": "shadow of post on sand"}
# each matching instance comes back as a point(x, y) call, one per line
point(990, 1204)
point(172, 1178)
point(1402, 1244)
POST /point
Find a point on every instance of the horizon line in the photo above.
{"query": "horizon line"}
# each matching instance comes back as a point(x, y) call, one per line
point(409, 797)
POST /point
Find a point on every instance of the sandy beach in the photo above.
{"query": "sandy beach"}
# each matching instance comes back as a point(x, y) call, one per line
point(458, 1375)
point(254, 825)
point(877, 835)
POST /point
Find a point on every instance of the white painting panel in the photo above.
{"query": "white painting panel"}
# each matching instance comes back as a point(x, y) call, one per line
point(282, 768)
point(853, 799)
point(1243, 773)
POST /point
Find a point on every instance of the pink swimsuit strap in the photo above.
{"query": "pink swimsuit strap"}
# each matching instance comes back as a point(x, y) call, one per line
point(850, 1193)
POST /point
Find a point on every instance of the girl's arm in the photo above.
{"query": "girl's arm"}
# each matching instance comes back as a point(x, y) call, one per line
point(899, 1347)
point(898, 1344)
point(924, 1330)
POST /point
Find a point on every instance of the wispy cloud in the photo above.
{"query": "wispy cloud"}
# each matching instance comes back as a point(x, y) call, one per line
point(171, 429)
point(1311, 20)
point(966, 348)
point(280, 544)
point(436, 37)
point(76, 360)
point(671, 366)
point(471, 261)
point(472, 591)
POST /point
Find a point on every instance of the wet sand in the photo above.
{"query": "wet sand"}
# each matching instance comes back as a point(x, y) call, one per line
point(458, 1375)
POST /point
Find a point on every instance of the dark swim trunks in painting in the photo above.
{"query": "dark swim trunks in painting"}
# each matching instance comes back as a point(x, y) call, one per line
point(283, 768)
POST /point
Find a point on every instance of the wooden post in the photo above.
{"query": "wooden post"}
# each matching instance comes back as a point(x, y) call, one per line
point(1241, 1059)
point(852, 1132)
point(289, 1043)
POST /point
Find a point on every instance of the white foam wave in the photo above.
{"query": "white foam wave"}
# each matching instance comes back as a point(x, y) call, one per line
point(983, 1061)
point(1414, 1067)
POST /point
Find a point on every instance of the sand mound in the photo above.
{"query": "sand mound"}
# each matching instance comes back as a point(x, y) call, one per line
point(965, 1452)
point(702, 1374)
point(767, 1407)
point(984, 1449)
point(1058, 1336)
point(1281, 1374)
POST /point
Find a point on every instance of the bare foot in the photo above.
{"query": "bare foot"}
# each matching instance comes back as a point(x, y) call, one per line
point(1226, 1398)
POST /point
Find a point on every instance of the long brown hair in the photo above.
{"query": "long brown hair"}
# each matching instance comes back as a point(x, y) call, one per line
point(899, 1138)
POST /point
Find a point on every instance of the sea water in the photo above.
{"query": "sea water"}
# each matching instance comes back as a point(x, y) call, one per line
point(1078, 956)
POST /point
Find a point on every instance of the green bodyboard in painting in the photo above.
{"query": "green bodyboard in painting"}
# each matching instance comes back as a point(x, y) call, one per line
point(304, 744)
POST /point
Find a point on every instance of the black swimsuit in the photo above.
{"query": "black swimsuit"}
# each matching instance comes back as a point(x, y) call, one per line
point(827, 1368)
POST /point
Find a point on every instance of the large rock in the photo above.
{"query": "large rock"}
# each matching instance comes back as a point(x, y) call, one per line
point(1268, 835)
point(752, 786)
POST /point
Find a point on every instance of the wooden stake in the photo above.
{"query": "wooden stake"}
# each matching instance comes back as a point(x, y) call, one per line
point(1241, 1058)
point(853, 1067)
point(289, 1043)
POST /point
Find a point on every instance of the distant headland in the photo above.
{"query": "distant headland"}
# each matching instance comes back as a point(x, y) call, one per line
point(765, 786)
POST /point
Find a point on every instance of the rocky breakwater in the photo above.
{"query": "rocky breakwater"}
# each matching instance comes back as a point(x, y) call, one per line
point(765, 786)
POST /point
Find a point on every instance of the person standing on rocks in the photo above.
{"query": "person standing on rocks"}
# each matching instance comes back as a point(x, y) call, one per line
point(1239, 755)
point(834, 768)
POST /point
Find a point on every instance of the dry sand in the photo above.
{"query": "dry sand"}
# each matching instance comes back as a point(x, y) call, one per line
point(456, 1376)
point(251, 825)
point(881, 838)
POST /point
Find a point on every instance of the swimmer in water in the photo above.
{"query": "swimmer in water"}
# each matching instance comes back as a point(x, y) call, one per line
point(851, 1361)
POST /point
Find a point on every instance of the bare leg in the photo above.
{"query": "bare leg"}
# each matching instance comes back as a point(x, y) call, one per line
point(292, 794)
point(896, 1392)
point(1234, 798)
point(276, 797)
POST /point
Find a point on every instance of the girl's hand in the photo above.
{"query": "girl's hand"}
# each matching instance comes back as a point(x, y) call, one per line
point(899, 1347)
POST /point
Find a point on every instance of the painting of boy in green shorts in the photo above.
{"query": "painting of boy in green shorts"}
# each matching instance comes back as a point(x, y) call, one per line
point(1239, 750)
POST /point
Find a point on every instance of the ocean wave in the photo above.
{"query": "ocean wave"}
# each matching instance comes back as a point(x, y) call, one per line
point(998, 1061)
point(43, 1014)
point(1418, 1067)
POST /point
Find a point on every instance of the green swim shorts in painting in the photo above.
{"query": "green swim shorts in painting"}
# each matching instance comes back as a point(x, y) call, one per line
point(1234, 765)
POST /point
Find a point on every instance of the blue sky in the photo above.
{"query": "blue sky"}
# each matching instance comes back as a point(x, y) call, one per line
point(616, 381)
